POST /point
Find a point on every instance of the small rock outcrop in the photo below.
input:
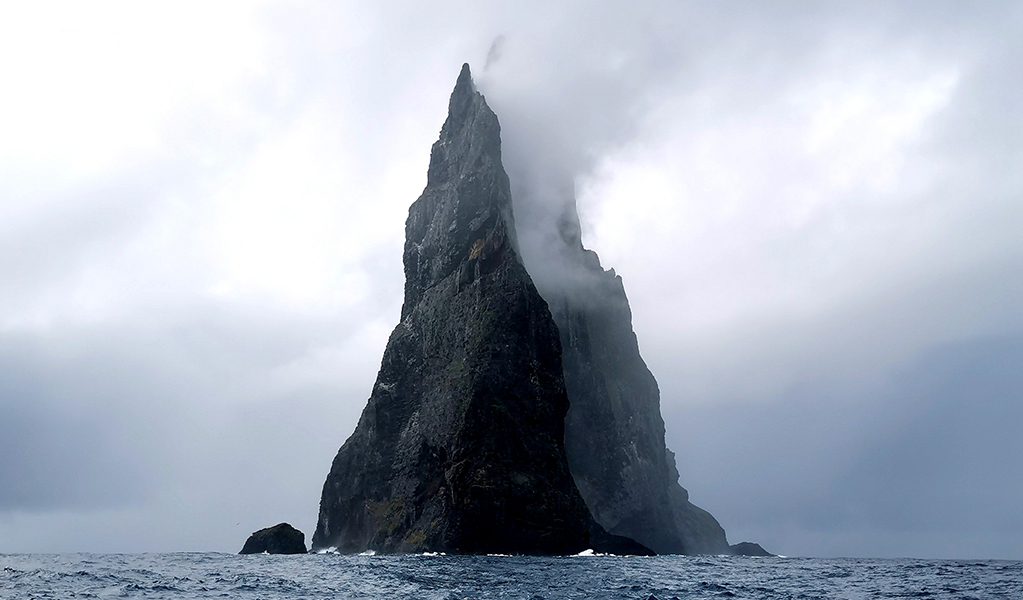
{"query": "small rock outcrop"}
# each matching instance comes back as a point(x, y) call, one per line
point(460, 448)
point(279, 539)
point(748, 549)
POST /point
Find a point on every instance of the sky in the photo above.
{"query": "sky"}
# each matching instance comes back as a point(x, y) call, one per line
point(816, 208)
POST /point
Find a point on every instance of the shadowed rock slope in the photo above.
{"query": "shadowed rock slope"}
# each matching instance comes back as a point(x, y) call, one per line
point(461, 445)
point(614, 433)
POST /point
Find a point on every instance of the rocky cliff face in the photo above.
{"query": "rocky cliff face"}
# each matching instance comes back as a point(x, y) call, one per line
point(461, 445)
point(614, 433)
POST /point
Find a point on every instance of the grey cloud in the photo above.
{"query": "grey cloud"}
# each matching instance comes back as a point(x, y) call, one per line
point(926, 453)
point(50, 459)
point(67, 442)
point(186, 423)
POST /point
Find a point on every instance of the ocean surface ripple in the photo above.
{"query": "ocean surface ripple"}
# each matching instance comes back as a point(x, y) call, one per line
point(215, 575)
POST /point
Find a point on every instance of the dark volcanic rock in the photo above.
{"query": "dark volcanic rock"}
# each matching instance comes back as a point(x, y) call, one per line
point(748, 549)
point(614, 433)
point(279, 539)
point(461, 445)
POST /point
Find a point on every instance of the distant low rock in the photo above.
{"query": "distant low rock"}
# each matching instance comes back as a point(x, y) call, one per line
point(748, 549)
point(279, 539)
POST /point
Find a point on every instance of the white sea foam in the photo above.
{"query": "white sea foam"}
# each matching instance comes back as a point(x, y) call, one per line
point(592, 552)
point(368, 553)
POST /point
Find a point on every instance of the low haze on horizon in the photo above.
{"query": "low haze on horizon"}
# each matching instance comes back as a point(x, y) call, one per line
point(816, 209)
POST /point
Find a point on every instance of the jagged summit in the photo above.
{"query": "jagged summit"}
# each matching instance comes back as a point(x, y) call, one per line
point(463, 93)
point(467, 192)
point(461, 445)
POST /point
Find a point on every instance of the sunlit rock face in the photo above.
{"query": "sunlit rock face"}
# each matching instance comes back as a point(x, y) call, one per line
point(614, 433)
point(461, 445)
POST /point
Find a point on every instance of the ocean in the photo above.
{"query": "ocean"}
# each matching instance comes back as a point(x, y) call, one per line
point(215, 575)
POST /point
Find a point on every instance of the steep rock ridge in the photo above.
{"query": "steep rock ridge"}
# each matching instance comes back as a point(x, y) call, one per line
point(614, 433)
point(461, 445)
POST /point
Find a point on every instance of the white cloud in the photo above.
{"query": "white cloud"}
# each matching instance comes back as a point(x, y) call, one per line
point(90, 86)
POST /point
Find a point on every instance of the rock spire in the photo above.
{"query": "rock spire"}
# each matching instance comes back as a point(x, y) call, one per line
point(461, 445)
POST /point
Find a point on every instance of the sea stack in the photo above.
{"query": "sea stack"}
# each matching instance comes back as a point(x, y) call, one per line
point(460, 448)
point(279, 539)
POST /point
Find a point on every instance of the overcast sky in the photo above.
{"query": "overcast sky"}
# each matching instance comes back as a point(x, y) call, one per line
point(817, 210)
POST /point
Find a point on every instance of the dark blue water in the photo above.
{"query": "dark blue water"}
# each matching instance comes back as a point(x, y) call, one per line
point(210, 575)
